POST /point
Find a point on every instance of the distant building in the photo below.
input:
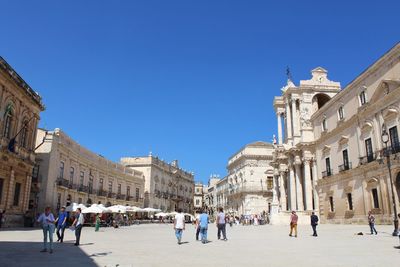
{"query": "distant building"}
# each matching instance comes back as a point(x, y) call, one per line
point(67, 173)
point(167, 187)
point(210, 197)
point(198, 200)
point(20, 107)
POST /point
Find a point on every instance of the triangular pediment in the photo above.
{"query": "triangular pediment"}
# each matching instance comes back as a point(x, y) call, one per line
point(384, 88)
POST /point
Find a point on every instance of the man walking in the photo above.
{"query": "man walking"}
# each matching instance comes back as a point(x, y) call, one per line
point(293, 223)
point(78, 223)
point(61, 223)
point(371, 221)
point(46, 219)
point(314, 223)
point(204, 226)
point(221, 224)
point(179, 225)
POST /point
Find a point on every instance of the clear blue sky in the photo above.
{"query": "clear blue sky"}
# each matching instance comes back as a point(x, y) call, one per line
point(188, 80)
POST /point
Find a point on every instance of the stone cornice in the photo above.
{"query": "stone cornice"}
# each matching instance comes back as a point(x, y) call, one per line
point(35, 97)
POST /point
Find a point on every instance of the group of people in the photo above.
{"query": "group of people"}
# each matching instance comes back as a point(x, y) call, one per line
point(49, 224)
point(201, 223)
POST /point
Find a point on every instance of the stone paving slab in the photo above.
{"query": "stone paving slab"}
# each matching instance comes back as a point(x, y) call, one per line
point(155, 245)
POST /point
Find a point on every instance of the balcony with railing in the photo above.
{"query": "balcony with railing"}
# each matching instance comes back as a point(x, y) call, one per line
point(62, 182)
point(102, 193)
point(345, 167)
point(327, 173)
point(368, 158)
point(120, 196)
point(83, 188)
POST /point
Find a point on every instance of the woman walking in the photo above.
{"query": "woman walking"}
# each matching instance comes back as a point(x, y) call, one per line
point(97, 223)
point(46, 219)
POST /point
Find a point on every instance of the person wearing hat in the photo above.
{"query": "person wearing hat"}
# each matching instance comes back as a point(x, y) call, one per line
point(61, 222)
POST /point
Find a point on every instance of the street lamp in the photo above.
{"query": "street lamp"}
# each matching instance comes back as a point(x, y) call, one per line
point(385, 140)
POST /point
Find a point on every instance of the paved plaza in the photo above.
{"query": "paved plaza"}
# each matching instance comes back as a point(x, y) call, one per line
point(155, 245)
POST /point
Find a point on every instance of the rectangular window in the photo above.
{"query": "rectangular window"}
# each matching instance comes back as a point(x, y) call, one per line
point(324, 125)
point(90, 184)
point(128, 191)
point(346, 164)
point(350, 201)
point(328, 166)
point(71, 175)
point(368, 149)
point(79, 200)
point(61, 174)
point(17, 192)
point(270, 183)
point(394, 139)
point(331, 204)
point(197, 202)
point(1, 189)
point(119, 189)
point(110, 186)
point(363, 98)
point(81, 178)
point(340, 113)
point(58, 201)
point(101, 182)
point(375, 198)
point(137, 195)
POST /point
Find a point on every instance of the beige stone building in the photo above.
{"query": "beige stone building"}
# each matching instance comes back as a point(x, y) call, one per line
point(198, 197)
point(294, 163)
point(167, 186)
point(20, 107)
point(67, 172)
point(210, 196)
point(352, 173)
point(248, 187)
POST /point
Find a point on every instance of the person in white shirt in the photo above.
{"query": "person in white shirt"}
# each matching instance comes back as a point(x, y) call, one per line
point(78, 223)
point(46, 219)
point(179, 225)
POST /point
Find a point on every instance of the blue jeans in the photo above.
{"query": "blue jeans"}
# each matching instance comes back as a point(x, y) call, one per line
point(178, 234)
point(372, 227)
point(48, 231)
point(203, 232)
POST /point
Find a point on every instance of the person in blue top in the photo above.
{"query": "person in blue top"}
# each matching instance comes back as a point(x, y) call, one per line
point(61, 224)
point(204, 226)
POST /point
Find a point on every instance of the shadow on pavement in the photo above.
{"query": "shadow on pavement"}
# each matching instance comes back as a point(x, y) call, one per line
point(28, 254)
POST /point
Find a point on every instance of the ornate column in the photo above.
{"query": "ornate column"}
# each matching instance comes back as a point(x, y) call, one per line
point(314, 183)
point(11, 186)
point(308, 190)
point(299, 188)
point(294, 118)
point(282, 191)
point(288, 129)
point(27, 193)
point(292, 188)
point(279, 115)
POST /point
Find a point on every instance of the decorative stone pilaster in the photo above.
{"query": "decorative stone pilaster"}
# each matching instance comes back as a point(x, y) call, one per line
point(282, 191)
point(308, 189)
point(314, 183)
point(279, 117)
point(288, 129)
point(299, 188)
point(292, 188)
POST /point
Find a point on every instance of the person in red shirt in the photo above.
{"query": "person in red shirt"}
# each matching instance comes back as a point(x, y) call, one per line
point(293, 223)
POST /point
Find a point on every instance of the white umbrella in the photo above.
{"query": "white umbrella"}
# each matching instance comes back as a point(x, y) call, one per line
point(74, 206)
point(117, 209)
point(172, 213)
point(93, 209)
point(151, 210)
point(133, 209)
